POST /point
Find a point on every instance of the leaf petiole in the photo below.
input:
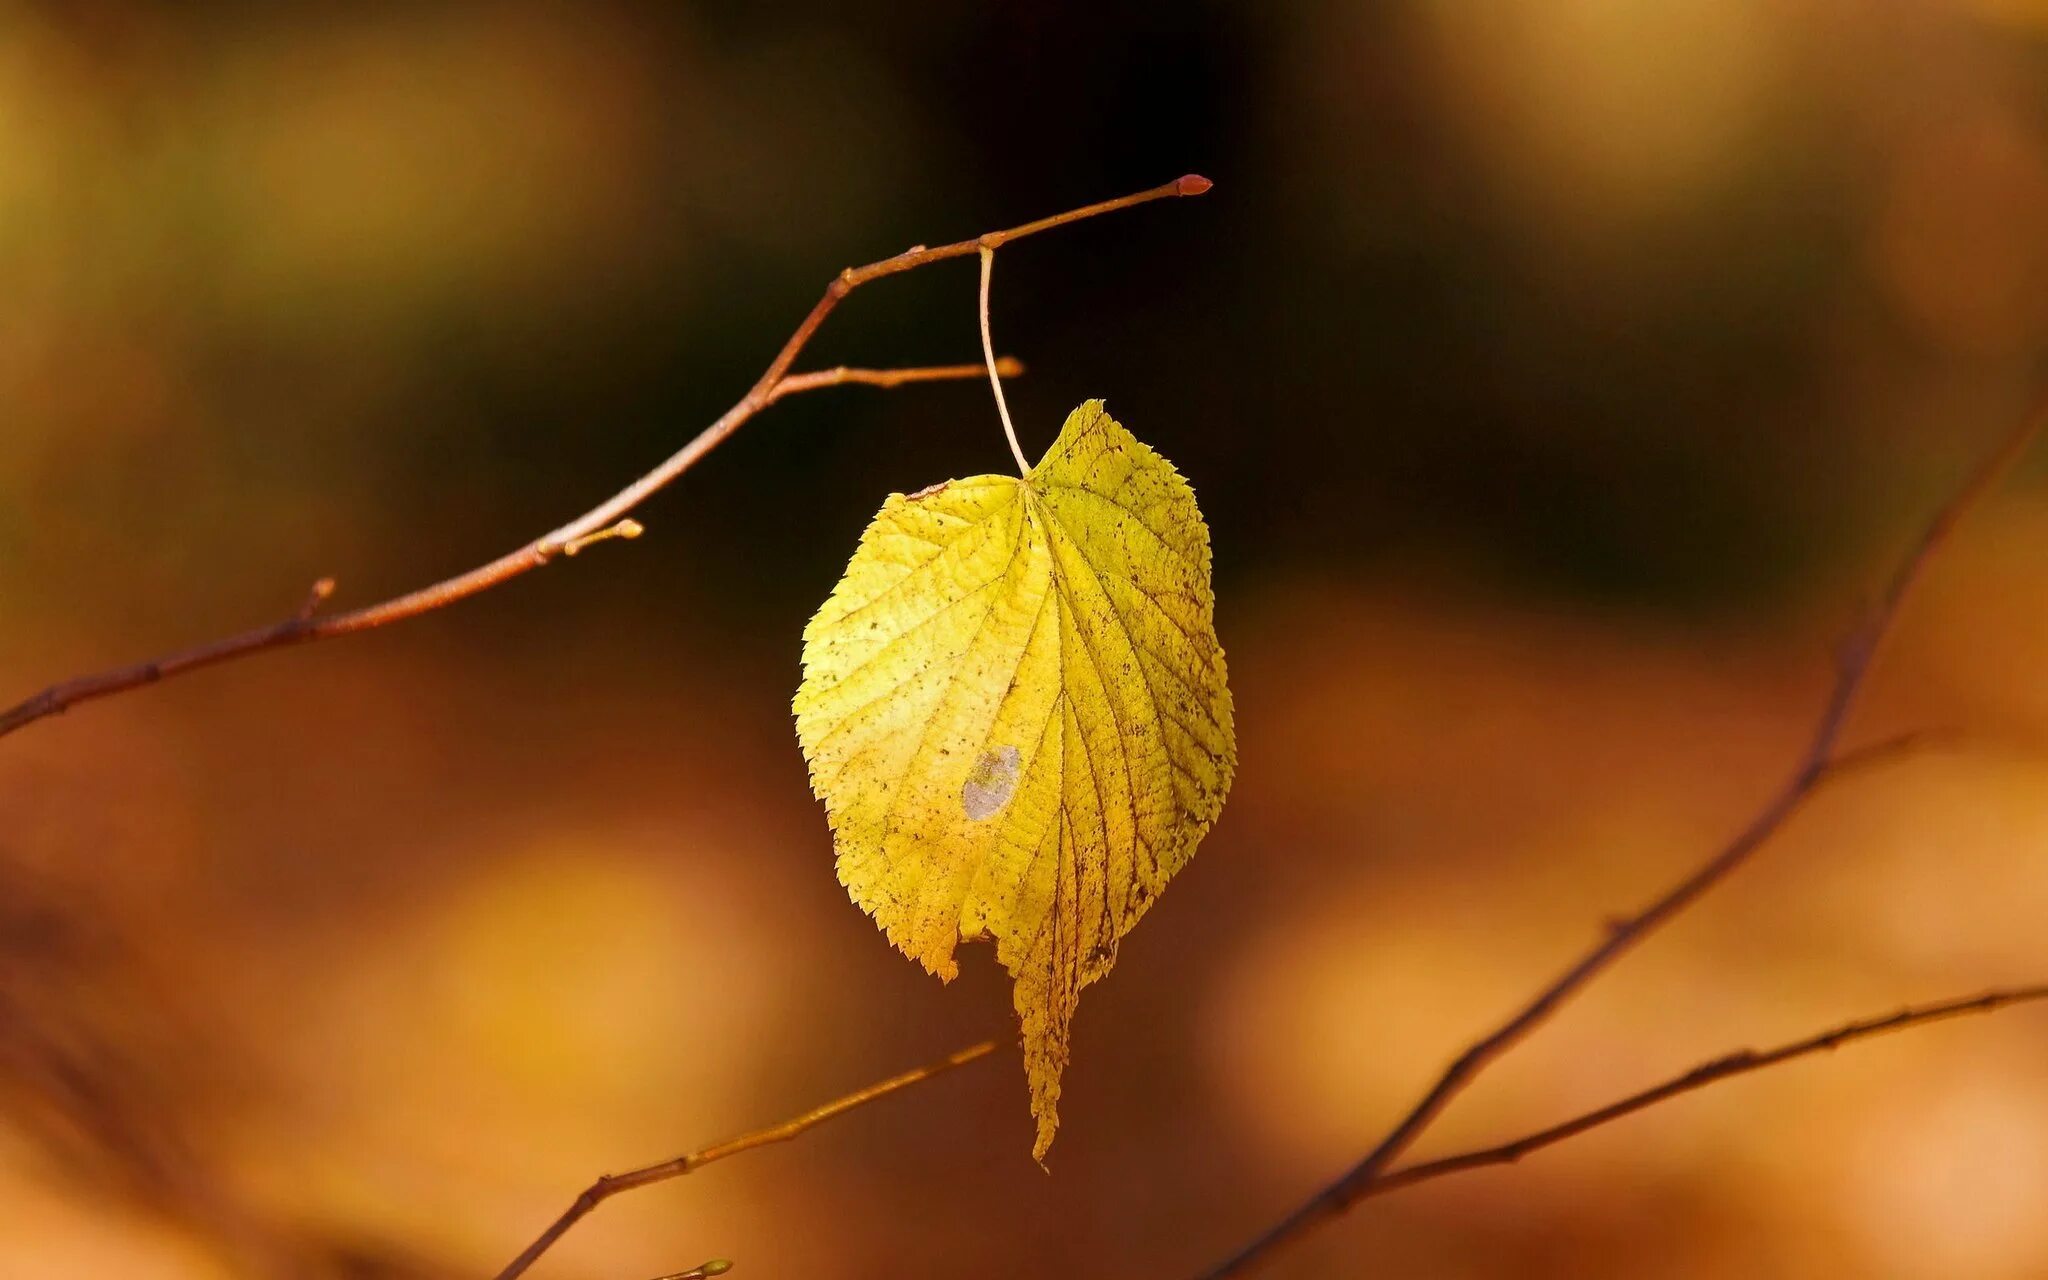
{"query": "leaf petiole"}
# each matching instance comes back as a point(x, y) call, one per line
point(988, 354)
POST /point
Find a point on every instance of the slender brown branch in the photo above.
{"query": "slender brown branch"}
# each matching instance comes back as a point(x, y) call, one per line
point(612, 1184)
point(1815, 765)
point(765, 391)
point(1739, 1063)
point(1010, 366)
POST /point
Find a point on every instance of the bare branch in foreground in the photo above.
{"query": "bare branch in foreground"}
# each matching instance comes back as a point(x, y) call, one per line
point(613, 1183)
point(772, 385)
point(1739, 1063)
point(1817, 764)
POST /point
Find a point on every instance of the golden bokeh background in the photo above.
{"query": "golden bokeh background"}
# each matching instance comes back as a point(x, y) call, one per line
point(1559, 376)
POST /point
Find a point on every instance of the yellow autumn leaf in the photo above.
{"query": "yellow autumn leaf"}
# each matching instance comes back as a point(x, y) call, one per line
point(1014, 709)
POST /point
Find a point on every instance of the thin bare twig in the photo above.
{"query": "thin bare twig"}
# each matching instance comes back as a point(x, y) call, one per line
point(1010, 366)
point(702, 1271)
point(1739, 1063)
point(302, 627)
point(612, 1184)
point(1820, 760)
point(316, 597)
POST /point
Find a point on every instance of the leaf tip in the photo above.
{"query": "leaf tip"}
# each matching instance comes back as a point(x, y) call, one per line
point(1048, 1125)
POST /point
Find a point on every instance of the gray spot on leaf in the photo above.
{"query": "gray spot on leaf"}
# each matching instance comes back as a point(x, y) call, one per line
point(991, 781)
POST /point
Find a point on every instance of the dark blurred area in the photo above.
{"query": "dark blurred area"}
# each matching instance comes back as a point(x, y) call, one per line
point(1557, 377)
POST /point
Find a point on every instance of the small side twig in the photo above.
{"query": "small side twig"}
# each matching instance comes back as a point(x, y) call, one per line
point(768, 388)
point(316, 597)
point(1739, 1063)
point(628, 529)
point(1820, 761)
point(702, 1271)
point(844, 375)
point(612, 1184)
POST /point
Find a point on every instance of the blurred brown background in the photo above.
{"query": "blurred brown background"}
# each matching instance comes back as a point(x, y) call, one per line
point(1557, 376)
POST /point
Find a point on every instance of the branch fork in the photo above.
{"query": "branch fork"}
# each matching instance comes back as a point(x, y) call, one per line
point(606, 519)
